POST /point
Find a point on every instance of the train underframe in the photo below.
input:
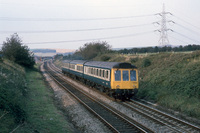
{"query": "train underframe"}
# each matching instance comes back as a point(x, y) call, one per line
point(122, 94)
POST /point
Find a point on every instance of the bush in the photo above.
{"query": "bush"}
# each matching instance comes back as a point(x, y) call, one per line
point(146, 63)
point(12, 90)
point(133, 60)
point(13, 50)
point(105, 58)
point(93, 49)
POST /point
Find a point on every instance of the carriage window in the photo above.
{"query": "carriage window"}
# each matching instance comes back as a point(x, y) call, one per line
point(100, 72)
point(117, 75)
point(91, 70)
point(125, 75)
point(107, 74)
point(80, 68)
point(72, 66)
point(97, 72)
point(133, 75)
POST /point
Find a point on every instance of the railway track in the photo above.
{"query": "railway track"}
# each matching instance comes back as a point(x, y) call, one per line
point(168, 122)
point(162, 118)
point(112, 118)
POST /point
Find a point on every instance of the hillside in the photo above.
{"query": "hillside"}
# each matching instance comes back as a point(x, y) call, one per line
point(169, 79)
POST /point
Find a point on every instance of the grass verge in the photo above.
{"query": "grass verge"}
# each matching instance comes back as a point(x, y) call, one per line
point(42, 114)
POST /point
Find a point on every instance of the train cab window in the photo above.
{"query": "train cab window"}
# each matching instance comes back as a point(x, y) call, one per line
point(118, 75)
point(133, 75)
point(126, 75)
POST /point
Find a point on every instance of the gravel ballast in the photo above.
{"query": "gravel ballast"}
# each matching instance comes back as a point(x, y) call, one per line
point(81, 118)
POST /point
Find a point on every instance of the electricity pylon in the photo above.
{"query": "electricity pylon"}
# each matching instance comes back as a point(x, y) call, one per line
point(163, 41)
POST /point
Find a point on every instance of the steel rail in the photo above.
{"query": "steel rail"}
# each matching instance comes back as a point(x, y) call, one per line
point(159, 117)
point(175, 123)
point(107, 108)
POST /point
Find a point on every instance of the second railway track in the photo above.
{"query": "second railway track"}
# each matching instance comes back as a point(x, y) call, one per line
point(162, 118)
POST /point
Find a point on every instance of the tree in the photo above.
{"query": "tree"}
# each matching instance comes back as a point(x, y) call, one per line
point(93, 49)
point(1, 55)
point(14, 50)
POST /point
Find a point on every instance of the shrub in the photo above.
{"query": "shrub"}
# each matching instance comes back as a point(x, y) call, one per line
point(105, 58)
point(13, 50)
point(133, 60)
point(146, 63)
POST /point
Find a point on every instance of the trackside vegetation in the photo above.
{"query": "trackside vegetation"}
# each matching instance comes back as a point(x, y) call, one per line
point(170, 79)
point(26, 102)
point(14, 50)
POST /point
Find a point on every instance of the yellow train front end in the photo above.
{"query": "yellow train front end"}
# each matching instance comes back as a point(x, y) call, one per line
point(124, 82)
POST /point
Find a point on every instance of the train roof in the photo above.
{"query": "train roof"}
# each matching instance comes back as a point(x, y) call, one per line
point(67, 61)
point(78, 62)
point(101, 64)
point(109, 65)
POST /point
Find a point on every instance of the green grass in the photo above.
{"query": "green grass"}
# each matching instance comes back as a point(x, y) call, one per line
point(42, 114)
point(172, 80)
point(27, 89)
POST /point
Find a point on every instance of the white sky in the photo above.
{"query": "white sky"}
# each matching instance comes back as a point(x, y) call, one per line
point(68, 17)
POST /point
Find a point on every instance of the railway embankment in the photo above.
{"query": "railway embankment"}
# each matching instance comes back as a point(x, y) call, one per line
point(169, 79)
point(26, 102)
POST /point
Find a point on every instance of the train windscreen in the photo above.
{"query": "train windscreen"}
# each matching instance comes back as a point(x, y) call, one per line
point(133, 75)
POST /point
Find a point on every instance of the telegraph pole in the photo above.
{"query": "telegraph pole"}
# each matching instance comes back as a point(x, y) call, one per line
point(163, 41)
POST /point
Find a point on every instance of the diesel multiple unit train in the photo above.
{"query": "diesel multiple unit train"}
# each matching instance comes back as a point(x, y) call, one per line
point(115, 78)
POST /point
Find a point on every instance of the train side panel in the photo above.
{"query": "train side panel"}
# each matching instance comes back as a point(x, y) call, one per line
point(98, 81)
point(77, 69)
point(100, 76)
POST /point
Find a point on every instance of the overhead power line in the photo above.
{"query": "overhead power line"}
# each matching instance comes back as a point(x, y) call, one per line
point(188, 29)
point(67, 19)
point(186, 37)
point(187, 22)
point(77, 30)
point(178, 39)
point(112, 37)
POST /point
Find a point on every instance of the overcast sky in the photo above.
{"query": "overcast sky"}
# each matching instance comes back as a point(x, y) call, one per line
point(69, 24)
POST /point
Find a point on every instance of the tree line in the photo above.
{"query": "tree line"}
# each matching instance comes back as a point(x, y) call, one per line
point(160, 49)
point(93, 49)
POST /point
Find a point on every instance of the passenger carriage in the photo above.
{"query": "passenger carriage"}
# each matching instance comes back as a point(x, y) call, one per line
point(115, 78)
